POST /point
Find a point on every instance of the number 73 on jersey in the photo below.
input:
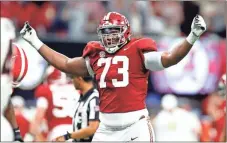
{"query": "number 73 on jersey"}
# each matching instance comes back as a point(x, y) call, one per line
point(122, 70)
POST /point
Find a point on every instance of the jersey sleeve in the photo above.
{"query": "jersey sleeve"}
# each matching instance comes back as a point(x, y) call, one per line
point(89, 52)
point(153, 61)
point(90, 48)
point(146, 45)
point(94, 109)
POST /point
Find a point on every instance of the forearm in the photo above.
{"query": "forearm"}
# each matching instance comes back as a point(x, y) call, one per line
point(177, 54)
point(83, 133)
point(10, 115)
point(198, 27)
point(75, 66)
point(56, 59)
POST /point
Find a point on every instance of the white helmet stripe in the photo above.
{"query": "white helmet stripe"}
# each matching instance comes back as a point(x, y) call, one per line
point(107, 17)
point(22, 63)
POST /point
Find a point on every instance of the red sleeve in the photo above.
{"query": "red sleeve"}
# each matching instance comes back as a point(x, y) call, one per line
point(90, 48)
point(146, 45)
point(87, 50)
point(42, 91)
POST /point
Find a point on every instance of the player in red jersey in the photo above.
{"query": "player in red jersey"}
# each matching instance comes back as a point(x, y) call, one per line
point(55, 101)
point(120, 65)
point(215, 106)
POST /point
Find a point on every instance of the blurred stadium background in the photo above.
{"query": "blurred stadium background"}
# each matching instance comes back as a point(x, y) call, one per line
point(67, 26)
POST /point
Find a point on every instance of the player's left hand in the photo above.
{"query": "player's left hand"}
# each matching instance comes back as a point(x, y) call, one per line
point(29, 34)
point(59, 139)
point(198, 26)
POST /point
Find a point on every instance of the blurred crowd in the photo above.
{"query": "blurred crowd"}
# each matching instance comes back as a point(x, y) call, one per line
point(199, 119)
point(179, 120)
point(68, 19)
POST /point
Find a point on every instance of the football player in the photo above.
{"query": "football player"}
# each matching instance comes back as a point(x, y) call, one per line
point(9, 129)
point(56, 98)
point(214, 106)
point(121, 66)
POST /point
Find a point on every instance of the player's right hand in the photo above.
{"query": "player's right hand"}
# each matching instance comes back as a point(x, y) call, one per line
point(29, 35)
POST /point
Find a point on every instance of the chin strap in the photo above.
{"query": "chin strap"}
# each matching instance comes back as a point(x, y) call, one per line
point(117, 47)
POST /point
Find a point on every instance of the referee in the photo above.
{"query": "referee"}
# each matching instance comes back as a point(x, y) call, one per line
point(86, 117)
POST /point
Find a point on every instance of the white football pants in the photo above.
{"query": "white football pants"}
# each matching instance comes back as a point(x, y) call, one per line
point(139, 131)
point(6, 130)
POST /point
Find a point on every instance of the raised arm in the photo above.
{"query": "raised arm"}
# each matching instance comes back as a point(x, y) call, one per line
point(170, 58)
point(155, 61)
point(76, 66)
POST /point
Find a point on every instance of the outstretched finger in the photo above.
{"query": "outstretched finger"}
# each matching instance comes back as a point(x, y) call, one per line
point(23, 31)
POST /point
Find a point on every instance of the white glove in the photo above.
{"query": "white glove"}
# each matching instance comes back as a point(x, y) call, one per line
point(198, 27)
point(29, 35)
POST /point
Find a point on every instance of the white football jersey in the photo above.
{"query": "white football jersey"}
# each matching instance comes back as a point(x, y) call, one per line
point(6, 91)
point(7, 34)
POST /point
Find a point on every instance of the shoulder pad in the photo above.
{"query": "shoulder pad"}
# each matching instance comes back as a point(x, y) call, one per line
point(91, 48)
point(146, 44)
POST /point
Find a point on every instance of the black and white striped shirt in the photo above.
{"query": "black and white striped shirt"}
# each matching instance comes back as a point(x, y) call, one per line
point(87, 109)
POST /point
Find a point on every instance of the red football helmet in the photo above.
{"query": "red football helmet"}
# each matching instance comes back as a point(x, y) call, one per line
point(113, 31)
point(19, 65)
point(14, 62)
